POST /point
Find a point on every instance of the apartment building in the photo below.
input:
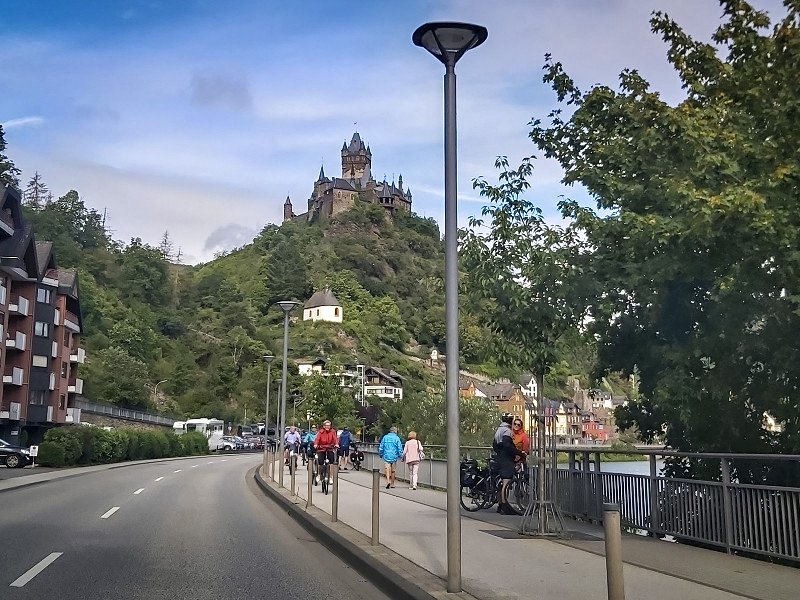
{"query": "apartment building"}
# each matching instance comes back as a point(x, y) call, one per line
point(40, 329)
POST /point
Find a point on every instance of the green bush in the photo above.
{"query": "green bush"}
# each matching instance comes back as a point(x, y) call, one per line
point(69, 439)
point(51, 454)
point(193, 443)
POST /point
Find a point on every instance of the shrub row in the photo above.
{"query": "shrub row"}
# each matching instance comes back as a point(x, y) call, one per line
point(81, 445)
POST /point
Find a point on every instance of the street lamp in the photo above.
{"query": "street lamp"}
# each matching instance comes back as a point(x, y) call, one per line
point(286, 307)
point(267, 359)
point(448, 42)
point(155, 391)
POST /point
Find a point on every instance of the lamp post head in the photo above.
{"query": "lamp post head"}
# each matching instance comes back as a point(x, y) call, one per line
point(287, 305)
point(449, 41)
point(268, 358)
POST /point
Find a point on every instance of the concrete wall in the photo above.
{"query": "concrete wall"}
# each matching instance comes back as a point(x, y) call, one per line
point(107, 421)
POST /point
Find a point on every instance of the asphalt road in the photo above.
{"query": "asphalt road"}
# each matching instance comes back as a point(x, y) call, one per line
point(197, 528)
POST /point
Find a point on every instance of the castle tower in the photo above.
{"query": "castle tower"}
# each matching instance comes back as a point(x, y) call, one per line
point(287, 210)
point(356, 161)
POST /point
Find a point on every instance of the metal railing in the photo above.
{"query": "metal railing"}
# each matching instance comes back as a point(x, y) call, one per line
point(738, 517)
point(121, 413)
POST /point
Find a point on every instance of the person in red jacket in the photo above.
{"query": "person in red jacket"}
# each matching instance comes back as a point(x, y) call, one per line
point(325, 445)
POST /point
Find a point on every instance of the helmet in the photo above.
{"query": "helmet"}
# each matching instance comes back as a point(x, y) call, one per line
point(507, 418)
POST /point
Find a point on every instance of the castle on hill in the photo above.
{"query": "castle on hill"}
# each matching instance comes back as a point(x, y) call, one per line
point(334, 195)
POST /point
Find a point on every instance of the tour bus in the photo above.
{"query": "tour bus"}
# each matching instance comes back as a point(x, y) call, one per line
point(213, 429)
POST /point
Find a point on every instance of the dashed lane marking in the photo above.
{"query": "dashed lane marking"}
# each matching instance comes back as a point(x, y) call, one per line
point(139, 491)
point(109, 512)
point(177, 470)
point(158, 479)
point(35, 570)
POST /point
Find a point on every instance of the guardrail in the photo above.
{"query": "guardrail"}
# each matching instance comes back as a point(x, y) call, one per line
point(121, 413)
point(738, 517)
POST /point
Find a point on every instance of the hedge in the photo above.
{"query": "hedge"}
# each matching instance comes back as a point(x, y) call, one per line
point(80, 445)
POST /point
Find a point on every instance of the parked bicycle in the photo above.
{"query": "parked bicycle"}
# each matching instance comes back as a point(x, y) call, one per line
point(480, 488)
point(356, 456)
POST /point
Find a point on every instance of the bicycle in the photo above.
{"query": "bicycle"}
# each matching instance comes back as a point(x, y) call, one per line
point(480, 488)
point(324, 469)
point(292, 458)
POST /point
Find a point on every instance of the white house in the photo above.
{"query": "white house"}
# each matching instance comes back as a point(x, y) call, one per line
point(323, 306)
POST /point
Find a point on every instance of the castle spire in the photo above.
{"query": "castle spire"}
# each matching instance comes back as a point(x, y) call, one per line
point(321, 173)
point(287, 209)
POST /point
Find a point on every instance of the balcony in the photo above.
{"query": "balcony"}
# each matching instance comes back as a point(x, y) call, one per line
point(71, 322)
point(77, 355)
point(52, 381)
point(76, 387)
point(17, 341)
point(14, 378)
point(20, 307)
point(54, 350)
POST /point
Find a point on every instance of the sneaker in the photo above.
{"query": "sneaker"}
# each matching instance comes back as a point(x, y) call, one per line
point(388, 485)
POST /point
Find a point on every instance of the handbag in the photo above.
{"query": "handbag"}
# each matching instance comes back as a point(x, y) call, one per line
point(421, 453)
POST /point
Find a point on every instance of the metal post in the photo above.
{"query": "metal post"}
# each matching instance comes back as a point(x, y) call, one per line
point(586, 483)
point(335, 499)
point(293, 469)
point(376, 495)
point(655, 519)
point(310, 488)
point(613, 540)
point(726, 503)
point(266, 412)
point(283, 387)
point(451, 331)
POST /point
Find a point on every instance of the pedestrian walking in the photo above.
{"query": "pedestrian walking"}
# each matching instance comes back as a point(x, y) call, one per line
point(344, 448)
point(390, 450)
point(412, 456)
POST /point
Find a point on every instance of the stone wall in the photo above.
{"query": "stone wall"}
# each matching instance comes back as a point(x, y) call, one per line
point(107, 421)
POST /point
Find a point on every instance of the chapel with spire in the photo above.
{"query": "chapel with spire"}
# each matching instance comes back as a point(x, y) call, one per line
point(333, 195)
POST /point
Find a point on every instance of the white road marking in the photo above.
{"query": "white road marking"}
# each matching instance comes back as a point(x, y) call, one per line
point(177, 470)
point(110, 512)
point(211, 462)
point(224, 460)
point(158, 479)
point(35, 570)
point(195, 466)
point(139, 491)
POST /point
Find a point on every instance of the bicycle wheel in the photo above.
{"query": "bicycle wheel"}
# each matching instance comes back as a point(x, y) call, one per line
point(519, 495)
point(324, 477)
point(471, 499)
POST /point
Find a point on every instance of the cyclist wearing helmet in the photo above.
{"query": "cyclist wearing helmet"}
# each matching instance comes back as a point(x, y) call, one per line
point(326, 444)
point(506, 451)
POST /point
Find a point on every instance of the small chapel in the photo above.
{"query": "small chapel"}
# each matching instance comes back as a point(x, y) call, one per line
point(333, 195)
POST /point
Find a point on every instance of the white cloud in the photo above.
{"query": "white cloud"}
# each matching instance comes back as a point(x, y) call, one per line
point(22, 122)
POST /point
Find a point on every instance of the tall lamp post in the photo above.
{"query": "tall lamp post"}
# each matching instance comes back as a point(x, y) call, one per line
point(448, 42)
point(267, 359)
point(155, 391)
point(286, 307)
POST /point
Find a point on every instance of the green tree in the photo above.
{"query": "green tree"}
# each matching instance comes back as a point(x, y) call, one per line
point(36, 193)
point(9, 173)
point(144, 274)
point(113, 375)
point(326, 399)
point(529, 276)
point(286, 274)
point(697, 242)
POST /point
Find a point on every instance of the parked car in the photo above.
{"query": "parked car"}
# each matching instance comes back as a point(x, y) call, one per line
point(14, 457)
point(227, 443)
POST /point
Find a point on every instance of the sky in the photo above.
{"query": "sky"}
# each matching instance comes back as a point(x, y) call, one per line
point(199, 117)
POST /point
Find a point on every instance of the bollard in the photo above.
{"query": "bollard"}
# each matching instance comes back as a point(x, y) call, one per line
point(310, 482)
point(272, 466)
point(335, 498)
point(613, 540)
point(292, 480)
point(376, 495)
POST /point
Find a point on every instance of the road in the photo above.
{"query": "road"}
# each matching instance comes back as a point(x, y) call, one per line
point(192, 528)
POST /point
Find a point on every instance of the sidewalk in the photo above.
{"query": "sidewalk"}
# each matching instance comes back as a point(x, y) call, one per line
point(499, 563)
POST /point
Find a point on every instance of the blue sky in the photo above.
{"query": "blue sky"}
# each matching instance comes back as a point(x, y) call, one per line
point(199, 117)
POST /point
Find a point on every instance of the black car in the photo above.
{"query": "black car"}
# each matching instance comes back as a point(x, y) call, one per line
point(14, 456)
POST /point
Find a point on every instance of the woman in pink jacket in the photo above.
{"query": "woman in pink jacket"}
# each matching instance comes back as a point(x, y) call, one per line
point(412, 455)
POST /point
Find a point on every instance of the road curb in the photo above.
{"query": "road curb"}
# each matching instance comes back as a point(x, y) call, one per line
point(379, 573)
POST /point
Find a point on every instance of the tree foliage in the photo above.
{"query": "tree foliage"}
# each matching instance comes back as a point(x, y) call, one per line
point(9, 173)
point(696, 240)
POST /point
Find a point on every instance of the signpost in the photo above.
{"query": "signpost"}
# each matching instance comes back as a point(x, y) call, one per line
point(34, 452)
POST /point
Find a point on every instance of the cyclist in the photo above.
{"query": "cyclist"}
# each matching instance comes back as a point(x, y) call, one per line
point(290, 438)
point(325, 445)
point(308, 443)
point(506, 451)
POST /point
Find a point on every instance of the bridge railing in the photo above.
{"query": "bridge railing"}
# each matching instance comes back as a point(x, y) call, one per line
point(121, 413)
point(738, 517)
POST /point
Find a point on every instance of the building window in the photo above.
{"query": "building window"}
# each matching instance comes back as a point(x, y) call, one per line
point(67, 340)
point(43, 295)
point(42, 329)
point(335, 312)
point(317, 312)
point(38, 396)
point(63, 369)
point(39, 361)
point(62, 403)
